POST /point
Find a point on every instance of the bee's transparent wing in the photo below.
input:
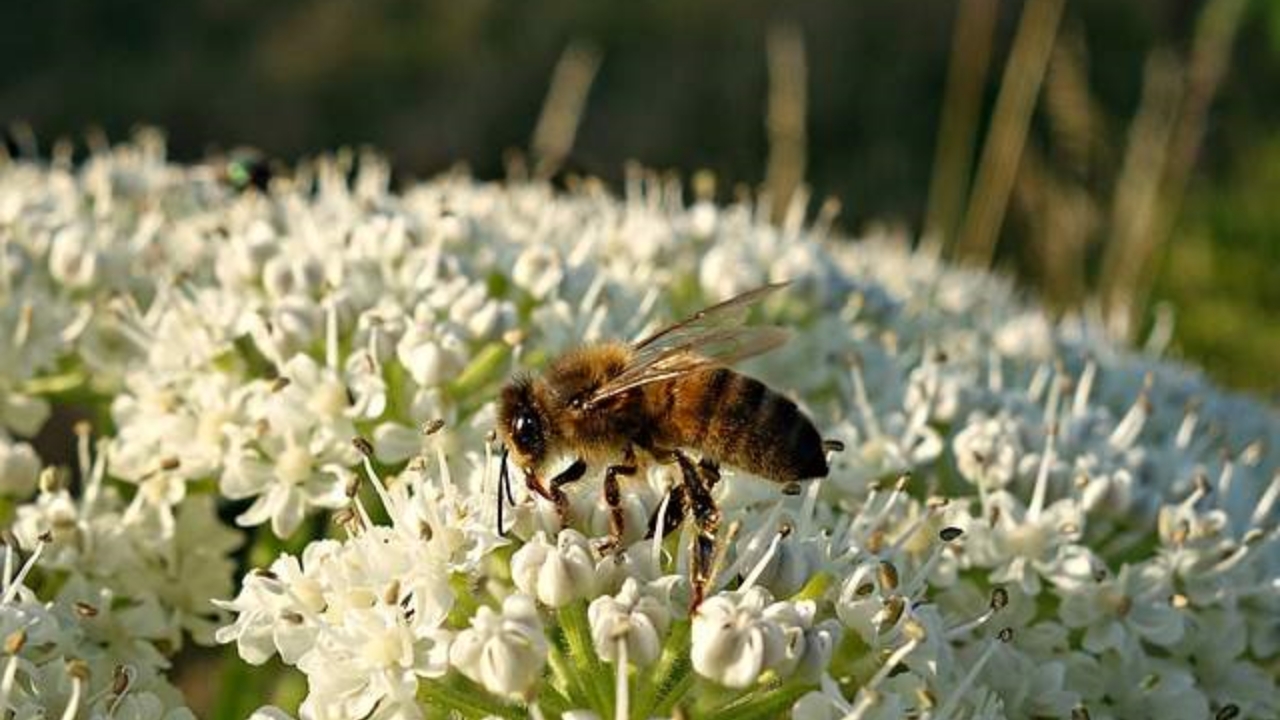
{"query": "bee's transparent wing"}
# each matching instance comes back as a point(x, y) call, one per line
point(712, 337)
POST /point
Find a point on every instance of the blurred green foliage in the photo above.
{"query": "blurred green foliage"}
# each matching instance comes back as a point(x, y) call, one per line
point(682, 85)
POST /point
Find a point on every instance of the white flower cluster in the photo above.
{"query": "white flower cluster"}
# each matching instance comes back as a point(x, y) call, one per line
point(1026, 519)
point(87, 654)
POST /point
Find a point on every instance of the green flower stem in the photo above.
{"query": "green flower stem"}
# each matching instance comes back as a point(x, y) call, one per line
point(465, 603)
point(816, 588)
point(682, 683)
point(552, 701)
point(467, 699)
point(486, 366)
point(570, 679)
point(769, 701)
point(55, 384)
point(595, 675)
point(672, 668)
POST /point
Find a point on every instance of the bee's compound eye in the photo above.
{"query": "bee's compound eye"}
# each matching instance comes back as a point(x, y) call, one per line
point(525, 432)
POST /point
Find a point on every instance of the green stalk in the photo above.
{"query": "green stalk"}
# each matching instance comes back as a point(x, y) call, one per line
point(668, 673)
point(570, 678)
point(595, 676)
point(763, 703)
point(467, 699)
point(553, 702)
point(682, 683)
point(486, 366)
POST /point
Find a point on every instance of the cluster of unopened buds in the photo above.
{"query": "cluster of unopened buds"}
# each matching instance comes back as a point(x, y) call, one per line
point(1025, 519)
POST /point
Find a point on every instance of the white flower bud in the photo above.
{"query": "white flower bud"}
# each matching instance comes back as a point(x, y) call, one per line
point(987, 451)
point(733, 642)
point(505, 652)
point(23, 414)
point(640, 618)
point(72, 260)
point(432, 354)
point(19, 469)
point(270, 712)
point(538, 270)
point(859, 602)
point(285, 275)
point(792, 564)
point(555, 574)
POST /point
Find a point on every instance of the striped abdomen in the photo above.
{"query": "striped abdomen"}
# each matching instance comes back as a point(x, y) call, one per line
point(737, 421)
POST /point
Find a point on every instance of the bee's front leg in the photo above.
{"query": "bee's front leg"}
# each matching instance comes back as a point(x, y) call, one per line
point(613, 497)
point(553, 492)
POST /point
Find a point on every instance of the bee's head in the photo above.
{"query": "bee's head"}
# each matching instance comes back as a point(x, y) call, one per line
point(523, 423)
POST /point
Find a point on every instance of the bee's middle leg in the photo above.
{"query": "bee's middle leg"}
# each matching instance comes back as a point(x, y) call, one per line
point(613, 497)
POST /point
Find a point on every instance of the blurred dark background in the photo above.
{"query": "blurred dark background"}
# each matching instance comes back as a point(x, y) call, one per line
point(1135, 160)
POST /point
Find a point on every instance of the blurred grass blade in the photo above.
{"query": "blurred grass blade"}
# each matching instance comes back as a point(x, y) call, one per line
point(563, 108)
point(1128, 277)
point(1023, 75)
point(958, 127)
point(785, 119)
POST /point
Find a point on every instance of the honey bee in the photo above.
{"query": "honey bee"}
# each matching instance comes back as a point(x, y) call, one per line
point(614, 404)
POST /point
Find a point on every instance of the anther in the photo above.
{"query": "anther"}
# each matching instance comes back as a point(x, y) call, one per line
point(280, 383)
point(85, 610)
point(78, 669)
point(364, 446)
point(887, 574)
point(950, 533)
point(120, 680)
point(433, 426)
point(999, 599)
point(50, 480)
point(891, 613)
point(1227, 712)
point(1005, 635)
point(15, 641)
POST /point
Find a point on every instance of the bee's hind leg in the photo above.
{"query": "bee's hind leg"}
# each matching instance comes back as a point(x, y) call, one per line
point(613, 497)
point(709, 470)
point(677, 506)
point(706, 517)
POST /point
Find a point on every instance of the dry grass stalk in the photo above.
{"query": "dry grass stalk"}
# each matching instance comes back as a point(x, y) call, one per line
point(1132, 243)
point(785, 121)
point(562, 110)
point(1062, 218)
point(1019, 88)
point(971, 43)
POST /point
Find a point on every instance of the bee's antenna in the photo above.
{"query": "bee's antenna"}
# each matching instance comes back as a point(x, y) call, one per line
point(504, 484)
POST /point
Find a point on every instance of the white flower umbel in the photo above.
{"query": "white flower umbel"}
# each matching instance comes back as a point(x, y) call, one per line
point(71, 658)
point(1027, 518)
